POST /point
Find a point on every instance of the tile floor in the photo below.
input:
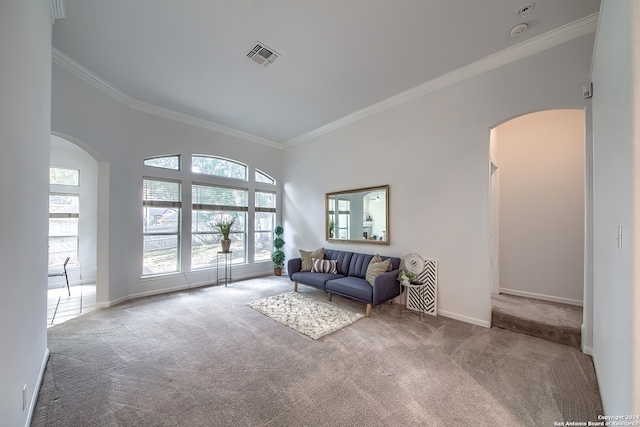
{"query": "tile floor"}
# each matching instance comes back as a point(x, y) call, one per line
point(62, 307)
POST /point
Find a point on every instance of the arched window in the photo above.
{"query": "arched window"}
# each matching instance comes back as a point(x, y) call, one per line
point(263, 177)
point(164, 162)
point(218, 166)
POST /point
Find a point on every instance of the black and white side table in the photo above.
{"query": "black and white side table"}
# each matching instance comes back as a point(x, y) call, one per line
point(422, 292)
point(224, 258)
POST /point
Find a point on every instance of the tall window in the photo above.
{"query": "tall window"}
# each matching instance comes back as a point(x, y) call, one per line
point(211, 203)
point(64, 210)
point(161, 226)
point(265, 219)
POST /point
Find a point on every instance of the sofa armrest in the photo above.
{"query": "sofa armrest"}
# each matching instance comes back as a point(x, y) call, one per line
point(386, 287)
point(294, 265)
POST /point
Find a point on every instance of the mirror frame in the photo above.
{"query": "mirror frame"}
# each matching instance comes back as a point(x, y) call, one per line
point(384, 188)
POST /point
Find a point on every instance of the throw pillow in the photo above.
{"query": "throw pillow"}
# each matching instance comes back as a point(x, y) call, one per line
point(325, 266)
point(375, 269)
point(307, 258)
point(378, 258)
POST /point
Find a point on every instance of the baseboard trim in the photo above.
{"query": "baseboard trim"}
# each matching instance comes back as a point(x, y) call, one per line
point(541, 296)
point(587, 350)
point(36, 388)
point(466, 319)
point(584, 348)
point(111, 303)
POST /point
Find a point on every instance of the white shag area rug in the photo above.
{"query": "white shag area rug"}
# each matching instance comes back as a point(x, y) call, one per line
point(305, 315)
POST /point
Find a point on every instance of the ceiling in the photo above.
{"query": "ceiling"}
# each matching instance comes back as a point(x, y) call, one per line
point(337, 57)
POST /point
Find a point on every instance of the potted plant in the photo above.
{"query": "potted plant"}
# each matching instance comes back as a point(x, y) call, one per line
point(223, 225)
point(277, 256)
point(405, 277)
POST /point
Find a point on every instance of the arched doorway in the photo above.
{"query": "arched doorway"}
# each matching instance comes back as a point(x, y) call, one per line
point(540, 205)
point(77, 232)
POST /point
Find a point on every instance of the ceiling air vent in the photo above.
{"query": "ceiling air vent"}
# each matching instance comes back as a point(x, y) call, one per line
point(263, 54)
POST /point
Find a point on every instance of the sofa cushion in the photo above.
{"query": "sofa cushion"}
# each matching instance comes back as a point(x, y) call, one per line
point(353, 287)
point(307, 258)
point(343, 258)
point(313, 279)
point(377, 268)
point(359, 264)
point(324, 266)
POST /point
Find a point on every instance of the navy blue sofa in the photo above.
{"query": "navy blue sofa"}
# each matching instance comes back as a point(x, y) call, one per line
point(350, 280)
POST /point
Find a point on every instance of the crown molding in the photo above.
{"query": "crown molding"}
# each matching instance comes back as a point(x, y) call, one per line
point(78, 70)
point(72, 66)
point(206, 124)
point(529, 47)
point(57, 10)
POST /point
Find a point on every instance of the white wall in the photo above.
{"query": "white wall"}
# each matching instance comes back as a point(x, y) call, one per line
point(542, 205)
point(434, 153)
point(616, 173)
point(66, 155)
point(25, 106)
point(124, 137)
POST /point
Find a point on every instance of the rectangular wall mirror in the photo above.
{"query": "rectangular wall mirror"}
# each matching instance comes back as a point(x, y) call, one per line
point(360, 215)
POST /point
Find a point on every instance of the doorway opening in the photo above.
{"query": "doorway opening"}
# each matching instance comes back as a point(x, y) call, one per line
point(537, 208)
point(74, 231)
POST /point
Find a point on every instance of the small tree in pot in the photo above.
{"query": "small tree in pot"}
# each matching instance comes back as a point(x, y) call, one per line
point(277, 256)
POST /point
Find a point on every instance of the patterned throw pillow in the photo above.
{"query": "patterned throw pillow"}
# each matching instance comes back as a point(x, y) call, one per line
point(325, 266)
point(378, 258)
point(375, 269)
point(307, 258)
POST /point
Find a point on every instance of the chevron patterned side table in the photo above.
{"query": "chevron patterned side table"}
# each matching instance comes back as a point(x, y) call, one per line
point(422, 293)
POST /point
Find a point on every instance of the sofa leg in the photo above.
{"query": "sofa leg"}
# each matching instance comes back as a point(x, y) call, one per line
point(367, 313)
point(295, 286)
point(393, 301)
point(329, 296)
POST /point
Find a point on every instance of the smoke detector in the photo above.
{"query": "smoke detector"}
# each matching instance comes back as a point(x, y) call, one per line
point(263, 54)
point(518, 29)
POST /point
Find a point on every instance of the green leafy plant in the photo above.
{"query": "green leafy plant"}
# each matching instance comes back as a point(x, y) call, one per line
point(223, 225)
point(405, 276)
point(277, 256)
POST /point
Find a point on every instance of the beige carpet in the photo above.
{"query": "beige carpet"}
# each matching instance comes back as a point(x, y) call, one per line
point(204, 358)
point(544, 319)
point(312, 318)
